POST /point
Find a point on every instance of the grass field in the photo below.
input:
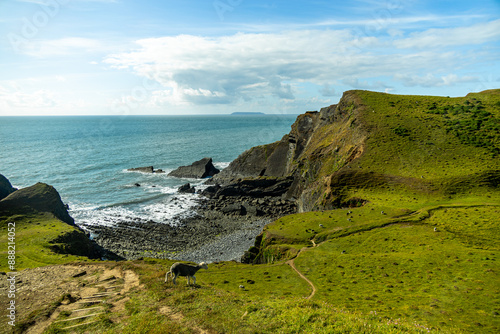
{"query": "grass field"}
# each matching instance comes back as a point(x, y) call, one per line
point(34, 236)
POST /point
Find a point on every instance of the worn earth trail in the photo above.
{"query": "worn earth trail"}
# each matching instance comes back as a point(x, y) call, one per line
point(76, 295)
point(291, 263)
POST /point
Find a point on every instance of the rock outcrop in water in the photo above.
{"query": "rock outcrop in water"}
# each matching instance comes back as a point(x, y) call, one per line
point(5, 187)
point(148, 169)
point(197, 170)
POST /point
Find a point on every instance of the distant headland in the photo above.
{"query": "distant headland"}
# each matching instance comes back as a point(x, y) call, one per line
point(240, 113)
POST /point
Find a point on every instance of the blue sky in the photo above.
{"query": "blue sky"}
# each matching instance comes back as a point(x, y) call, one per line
point(121, 57)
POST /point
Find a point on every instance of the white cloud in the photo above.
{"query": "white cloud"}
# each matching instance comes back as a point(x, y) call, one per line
point(364, 84)
point(15, 97)
point(430, 80)
point(225, 69)
point(61, 47)
point(327, 90)
point(379, 20)
point(438, 38)
point(257, 66)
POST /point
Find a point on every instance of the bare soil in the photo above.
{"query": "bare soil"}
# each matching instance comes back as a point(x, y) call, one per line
point(43, 293)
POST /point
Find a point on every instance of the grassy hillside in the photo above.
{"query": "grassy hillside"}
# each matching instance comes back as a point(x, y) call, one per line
point(36, 240)
point(399, 266)
point(421, 144)
point(431, 137)
point(426, 163)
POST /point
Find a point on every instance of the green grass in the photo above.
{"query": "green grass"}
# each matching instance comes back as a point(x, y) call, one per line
point(432, 146)
point(396, 266)
point(273, 304)
point(33, 235)
point(411, 272)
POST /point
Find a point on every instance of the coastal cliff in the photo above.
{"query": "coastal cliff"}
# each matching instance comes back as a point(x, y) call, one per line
point(372, 140)
point(319, 143)
point(43, 224)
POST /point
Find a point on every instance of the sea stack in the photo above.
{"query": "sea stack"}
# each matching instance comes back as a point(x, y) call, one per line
point(197, 170)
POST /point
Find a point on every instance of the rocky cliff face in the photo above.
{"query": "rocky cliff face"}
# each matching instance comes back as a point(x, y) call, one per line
point(5, 187)
point(40, 197)
point(319, 144)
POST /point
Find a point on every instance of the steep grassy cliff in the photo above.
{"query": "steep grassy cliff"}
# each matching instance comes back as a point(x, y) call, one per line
point(418, 144)
point(36, 224)
point(415, 180)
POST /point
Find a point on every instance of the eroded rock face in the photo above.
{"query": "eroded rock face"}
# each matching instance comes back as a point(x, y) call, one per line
point(40, 197)
point(5, 187)
point(319, 144)
point(197, 170)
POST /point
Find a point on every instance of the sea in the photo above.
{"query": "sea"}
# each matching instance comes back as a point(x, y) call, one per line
point(86, 159)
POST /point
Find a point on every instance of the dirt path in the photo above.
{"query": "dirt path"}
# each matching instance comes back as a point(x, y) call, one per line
point(89, 292)
point(76, 295)
point(396, 220)
point(291, 263)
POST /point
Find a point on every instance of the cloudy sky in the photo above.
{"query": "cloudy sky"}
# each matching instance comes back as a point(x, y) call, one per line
point(120, 57)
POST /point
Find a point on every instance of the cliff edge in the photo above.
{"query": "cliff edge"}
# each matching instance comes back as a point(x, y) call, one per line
point(374, 140)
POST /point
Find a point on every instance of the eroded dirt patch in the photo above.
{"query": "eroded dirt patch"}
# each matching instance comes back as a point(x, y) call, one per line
point(76, 290)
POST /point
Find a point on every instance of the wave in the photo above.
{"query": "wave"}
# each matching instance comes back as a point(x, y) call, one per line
point(166, 171)
point(171, 210)
point(221, 165)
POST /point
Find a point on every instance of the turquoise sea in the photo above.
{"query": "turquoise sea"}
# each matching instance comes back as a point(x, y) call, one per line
point(86, 158)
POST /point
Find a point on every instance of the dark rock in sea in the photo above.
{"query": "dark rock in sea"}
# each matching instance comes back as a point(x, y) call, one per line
point(148, 169)
point(5, 187)
point(137, 185)
point(198, 170)
point(40, 197)
point(186, 188)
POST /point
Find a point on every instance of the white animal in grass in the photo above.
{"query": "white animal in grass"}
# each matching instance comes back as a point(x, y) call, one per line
point(183, 269)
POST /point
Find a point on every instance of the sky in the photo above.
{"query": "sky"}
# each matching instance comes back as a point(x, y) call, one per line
point(152, 57)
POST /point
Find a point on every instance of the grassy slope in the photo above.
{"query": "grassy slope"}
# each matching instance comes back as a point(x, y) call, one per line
point(33, 235)
point(375, 273)
point(395, 264)
point(274, 303)
point(428, 150)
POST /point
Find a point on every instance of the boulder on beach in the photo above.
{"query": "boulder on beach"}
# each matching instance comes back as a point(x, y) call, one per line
point(5, 187)
point(40, 197)
point(197, 170)
point(186, 188)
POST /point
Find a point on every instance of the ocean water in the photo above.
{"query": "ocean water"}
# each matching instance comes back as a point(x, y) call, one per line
point(86, 158)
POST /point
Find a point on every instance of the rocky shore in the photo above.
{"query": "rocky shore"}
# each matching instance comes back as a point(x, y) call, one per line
point(221, 229)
